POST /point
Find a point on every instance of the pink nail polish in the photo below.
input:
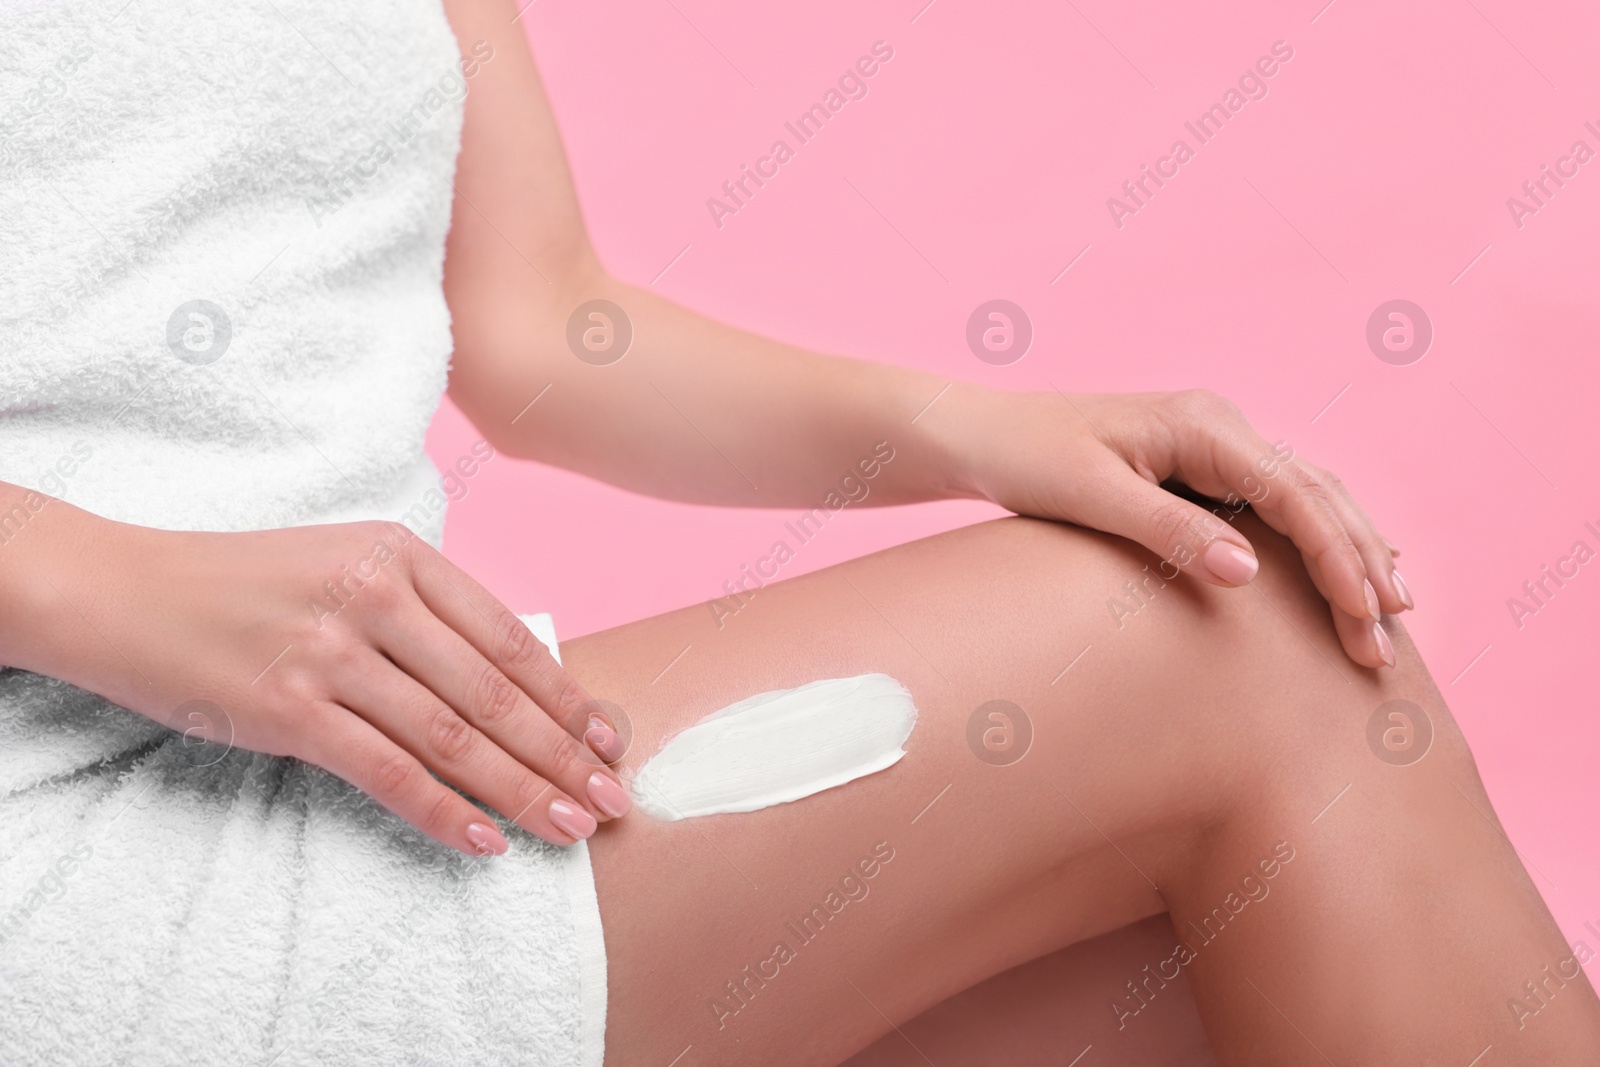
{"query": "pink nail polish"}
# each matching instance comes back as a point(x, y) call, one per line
point(487, 840)
point(1385, 648)
point(603, 739)
point(572, 819)
point(1401, 589)
point(1230, 563)
point(1373, 607)
point(608, 796)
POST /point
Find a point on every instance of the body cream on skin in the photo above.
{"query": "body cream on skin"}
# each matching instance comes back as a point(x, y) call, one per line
point(776, 747)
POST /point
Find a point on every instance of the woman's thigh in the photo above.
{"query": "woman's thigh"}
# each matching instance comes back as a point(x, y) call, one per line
point(1054, 1009)
point(964, 851)
point(1176, 735)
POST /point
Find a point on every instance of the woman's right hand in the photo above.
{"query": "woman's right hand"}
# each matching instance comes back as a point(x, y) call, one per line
point(356, 647)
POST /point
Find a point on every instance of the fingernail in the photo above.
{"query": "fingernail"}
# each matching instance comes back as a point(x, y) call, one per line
point(1372, 600)
point(571, 818)
point(608, 796)
point(1385, 648)
point(1230, 563)
point(603, 739)
point(487, 840)
point(1401, 589)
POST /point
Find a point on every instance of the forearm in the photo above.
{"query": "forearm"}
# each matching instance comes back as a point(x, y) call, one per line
point(700, 411)
point(46, 546)
point(694, 410)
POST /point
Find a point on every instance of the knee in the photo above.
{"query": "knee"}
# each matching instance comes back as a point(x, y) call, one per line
point(1268, 690)
point(1252, 682)
point(1412, 722)
point(1314, 722)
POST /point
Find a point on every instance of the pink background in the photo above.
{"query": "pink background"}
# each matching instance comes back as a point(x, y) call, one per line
point(1377, 167)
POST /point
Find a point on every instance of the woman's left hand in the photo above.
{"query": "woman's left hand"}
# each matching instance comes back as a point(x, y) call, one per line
point(1097, 459)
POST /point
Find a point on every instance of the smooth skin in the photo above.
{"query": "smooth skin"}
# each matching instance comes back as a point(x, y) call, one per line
point(1183, 753)
point(424, 671)
point(702, 412)
point(419, 669)
point(1211, 731)
point(1032, 1012)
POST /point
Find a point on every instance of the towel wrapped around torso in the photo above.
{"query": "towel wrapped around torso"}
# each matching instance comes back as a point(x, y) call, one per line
point(221, 308)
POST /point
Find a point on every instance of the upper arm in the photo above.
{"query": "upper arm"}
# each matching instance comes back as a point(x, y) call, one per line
point(517, 249)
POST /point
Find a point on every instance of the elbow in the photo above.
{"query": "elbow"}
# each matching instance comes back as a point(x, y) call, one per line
point(511, 348)
point(499, 432)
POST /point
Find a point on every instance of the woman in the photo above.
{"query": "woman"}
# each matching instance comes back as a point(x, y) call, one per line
point(235, 303)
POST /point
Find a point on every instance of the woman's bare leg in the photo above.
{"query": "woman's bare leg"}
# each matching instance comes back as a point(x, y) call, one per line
point(1049, 1010)
point(1179, 753)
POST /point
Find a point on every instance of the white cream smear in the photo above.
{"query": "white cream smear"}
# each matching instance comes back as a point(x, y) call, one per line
point(776, 747)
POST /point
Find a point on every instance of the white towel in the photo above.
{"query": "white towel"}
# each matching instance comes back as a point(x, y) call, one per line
point(265, 186)
point(220, 308)
point(178, 904)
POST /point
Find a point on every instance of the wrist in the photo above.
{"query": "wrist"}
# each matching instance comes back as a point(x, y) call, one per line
point(956, 430)
point(50, 555)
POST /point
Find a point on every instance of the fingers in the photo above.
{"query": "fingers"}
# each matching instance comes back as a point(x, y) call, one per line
point(1295, 504)
point(1186, 537)
point(443, 662)
point(1364, 639)
point(1195, 540)
point(343, 744)
point(447, 744)
point(500, 637)
point(1376, 555)
point(1348, 561)
point(1350, 564)
point(1210, 447)
point(1218, 453)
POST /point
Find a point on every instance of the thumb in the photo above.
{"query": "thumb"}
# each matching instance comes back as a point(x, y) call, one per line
point(1184, 535)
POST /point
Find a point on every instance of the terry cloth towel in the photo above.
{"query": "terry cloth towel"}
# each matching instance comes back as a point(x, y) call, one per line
point(182, 904)
point(220, 308)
